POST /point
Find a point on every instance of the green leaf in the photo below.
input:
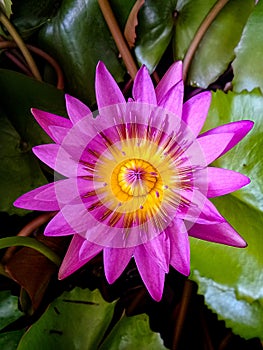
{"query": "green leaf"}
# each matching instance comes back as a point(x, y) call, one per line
point(28, 17)
point(19, 94)
point(10, 340)
point(79, 37)
point(154, 32)
point(20, 171)
point(248, 63)
point(246, 157)
point(6, 5)
point(8, 309)
point(79, 319)
point(231, 279)
point(76, 320)
point(133, 333)
point(216, 49)
point(30, 243)
point(9, 313)
point(189, 18)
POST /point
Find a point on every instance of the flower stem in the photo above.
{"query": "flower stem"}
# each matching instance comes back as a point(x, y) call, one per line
point(20, 43)
point(186, 298)
point(30, 243)
point(200, 33)
point(3, 271)
point(28, 230)
point(118, 37)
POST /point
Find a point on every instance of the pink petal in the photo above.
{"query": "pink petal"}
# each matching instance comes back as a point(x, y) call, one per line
point(223, 181)
point(180, 248)
point(72, 219)
point(173, 99)
point(200, 210)
point(240, 129)
point(195, 111)
point(88, 250)
point(47, 121)
point(58, 159)
point(115, 261)
point(33, 200)
point(76, 109)
point(212, 146)
point(107, 90)
point(171, 78)
point(71, 261)
point(58, 226)
point(222, 233)
point(143, 89)
point(159, 249)
point(150, 271)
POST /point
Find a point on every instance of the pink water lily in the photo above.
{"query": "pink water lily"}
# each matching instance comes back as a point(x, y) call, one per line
point(136, 181)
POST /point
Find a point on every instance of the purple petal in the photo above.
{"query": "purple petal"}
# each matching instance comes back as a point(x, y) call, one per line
point(173, 99)
point(180, 248)
point(33, 201)
point(150, 271)
point(240, 129)
point(76, 109)
point(212, 146)
point(72, 219)
point(55, 126)
point(220, 233)
point(195, 111)
point(143, 89)
point(223, 181)
point(58, 226)
point(171, 78)
point(88, 250)
point(107, 90)
point(159, 249)
point(71, 261)
point(58, 159)
point(200, 210)
point(115, 261)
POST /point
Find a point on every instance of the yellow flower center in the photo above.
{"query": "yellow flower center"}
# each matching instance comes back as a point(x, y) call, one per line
point(134, 178)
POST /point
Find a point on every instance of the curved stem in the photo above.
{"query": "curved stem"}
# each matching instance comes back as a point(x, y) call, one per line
point(13, 32)
point(118, 37)
point(30, 243)
point(3, 271)
point(52, 62)
point(28, 230)
point(10, 45)
point(200, 33)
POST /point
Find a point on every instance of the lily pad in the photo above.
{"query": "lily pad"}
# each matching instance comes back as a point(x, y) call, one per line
point(79, 319)
point(10, 340)
point(133, 333)
point(231, 279)
point(19, 94)
point(154, 32)
point(78, 38)
point(216, 49)
point(20, 170)
point(9, 313)
point(248, 63)
point(8, 309)
point(28, 17)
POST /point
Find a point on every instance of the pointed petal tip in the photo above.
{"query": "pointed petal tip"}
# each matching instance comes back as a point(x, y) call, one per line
point(106, 88)
point(143, 89)
point(101, 67)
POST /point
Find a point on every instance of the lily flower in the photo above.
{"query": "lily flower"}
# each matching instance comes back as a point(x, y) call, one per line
point(136, 179)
